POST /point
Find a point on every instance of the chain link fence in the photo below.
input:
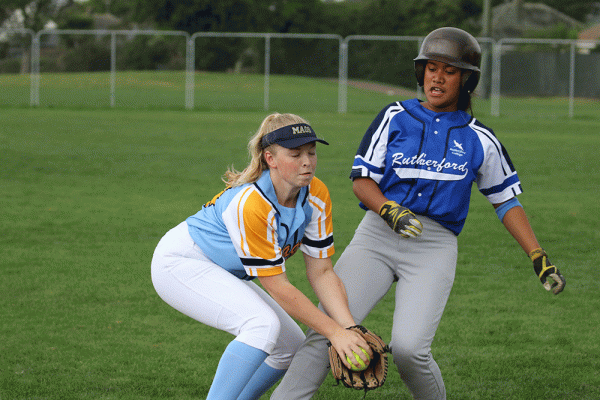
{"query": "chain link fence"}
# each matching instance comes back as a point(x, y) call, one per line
point(545, 68)
point(256, 60)
point(97, 68)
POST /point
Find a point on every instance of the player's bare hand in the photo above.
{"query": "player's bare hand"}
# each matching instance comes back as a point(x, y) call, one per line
point(545, 270)
point(347, 342)
point(401, 219)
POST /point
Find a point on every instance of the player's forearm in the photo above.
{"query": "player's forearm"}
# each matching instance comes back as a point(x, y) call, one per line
point(300, 307)
point(369, 193)
point(518, 226)
point(332, 294)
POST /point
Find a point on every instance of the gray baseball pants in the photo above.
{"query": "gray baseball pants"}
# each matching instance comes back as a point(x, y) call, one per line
point(424, 268)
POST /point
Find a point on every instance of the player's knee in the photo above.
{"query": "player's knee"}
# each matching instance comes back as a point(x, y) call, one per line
point(408, 353)
point(261, 331)
point(289, 343)
point(293, 340)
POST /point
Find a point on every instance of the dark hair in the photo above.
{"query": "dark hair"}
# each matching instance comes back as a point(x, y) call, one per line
point(464, 101)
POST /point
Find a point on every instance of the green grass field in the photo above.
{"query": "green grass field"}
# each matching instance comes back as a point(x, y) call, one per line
point(87, 193)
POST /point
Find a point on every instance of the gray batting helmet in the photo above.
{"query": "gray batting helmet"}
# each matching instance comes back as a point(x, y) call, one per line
point(452, 46)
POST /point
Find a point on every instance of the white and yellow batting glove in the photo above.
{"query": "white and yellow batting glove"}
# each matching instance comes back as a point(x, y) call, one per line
point(544, 269)
point(401, 219)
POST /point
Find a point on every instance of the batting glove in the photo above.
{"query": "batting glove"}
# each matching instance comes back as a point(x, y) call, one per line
point(544, 269)
point(401, 219)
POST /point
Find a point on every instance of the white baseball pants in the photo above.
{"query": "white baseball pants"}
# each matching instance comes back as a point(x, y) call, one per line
point(192, 284)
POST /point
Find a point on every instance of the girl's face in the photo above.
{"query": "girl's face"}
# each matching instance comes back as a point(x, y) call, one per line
point(295, 167)
point(441, 85)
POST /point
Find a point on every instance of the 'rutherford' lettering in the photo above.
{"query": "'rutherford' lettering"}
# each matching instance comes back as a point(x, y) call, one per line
point(421, 159)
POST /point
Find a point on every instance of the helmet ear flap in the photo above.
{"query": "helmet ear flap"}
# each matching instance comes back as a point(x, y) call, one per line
point(470, 80)
point(420, 72)
point(466, 74)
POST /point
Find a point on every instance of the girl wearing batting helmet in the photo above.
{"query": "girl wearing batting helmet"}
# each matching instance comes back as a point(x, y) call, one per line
point(413, 173)
point(204, 267)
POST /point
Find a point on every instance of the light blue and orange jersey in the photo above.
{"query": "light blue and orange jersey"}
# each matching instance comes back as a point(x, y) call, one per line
point(248, 233)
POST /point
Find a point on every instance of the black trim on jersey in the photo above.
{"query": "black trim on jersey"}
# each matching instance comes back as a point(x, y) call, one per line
point(244, 276)
point(382, 127)
point(470, 120)
point(376, 124)
point(253, 262)
point(502, 151)
point(379, 127)
point(287, 231)
point(318, 244)
point(287, 228)
point(507, 158)
point(379, 123)
point(266, 197)
point(499, 150)
point(305, 199)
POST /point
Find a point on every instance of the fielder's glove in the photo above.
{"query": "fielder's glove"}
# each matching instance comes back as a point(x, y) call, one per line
point(376, 372)
point(401, 219)
point(544, 269)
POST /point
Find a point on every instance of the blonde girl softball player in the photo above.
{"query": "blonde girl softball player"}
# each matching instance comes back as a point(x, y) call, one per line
point(204, 267)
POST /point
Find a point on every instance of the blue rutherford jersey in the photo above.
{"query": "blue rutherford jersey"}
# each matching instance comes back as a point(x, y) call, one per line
point(428, 161)
point(245, 231)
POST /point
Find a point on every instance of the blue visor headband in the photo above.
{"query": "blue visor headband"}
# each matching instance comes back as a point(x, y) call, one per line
point(291, 136)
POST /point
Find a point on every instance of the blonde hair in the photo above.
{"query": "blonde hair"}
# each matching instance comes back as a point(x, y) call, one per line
point(258, 165)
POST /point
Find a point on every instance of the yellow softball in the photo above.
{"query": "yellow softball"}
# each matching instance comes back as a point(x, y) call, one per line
point(362, 366)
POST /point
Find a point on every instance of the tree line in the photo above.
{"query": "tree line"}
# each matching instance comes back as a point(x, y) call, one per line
point(373, 61)
point(364, 17)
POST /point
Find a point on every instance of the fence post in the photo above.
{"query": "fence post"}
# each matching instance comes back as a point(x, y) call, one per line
point(113, 67)
point(35, 71)
point(343, 78)
point(495, 96)
point(572, 80)
point(190, 75)
point(267, 71)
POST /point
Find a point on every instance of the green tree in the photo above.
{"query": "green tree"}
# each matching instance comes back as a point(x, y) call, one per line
point(577, 9)
point(36, 13)
point(294, 16)
point(393, 17)
point(230, 15)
